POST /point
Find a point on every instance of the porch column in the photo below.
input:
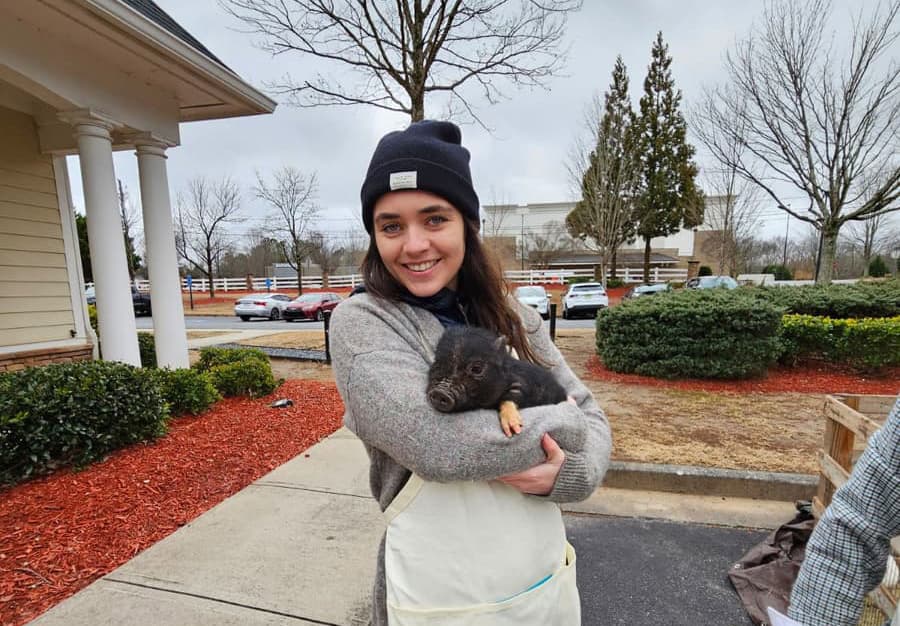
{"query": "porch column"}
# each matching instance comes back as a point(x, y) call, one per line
point(162, 260)
point(115, 310)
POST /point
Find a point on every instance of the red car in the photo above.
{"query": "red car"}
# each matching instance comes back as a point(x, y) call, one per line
point(311, 306)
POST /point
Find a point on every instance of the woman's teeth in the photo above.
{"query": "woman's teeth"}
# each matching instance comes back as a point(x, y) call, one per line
point(421, 267)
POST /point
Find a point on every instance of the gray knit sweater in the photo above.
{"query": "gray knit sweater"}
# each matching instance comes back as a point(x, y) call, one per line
point(381, 352)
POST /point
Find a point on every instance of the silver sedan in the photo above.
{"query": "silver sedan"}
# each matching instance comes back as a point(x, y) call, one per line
point(269, 305)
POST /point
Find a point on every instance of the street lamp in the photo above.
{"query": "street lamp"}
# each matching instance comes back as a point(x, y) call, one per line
point(895, 255)
point(523, 211)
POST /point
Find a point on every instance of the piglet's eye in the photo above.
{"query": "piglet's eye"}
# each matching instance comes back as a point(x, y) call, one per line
point(476, 368)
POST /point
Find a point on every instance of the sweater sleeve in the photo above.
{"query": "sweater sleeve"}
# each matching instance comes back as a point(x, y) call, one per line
point(847, 553)
point(584, 469)
point(382, 379)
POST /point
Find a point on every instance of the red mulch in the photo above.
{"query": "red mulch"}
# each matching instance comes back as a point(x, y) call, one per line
point(61, 532)
point(805, 378)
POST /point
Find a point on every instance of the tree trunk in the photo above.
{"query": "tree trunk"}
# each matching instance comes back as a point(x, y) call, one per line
point(829, 250)
point(209, 275)
point(612, 266)
point(417, 114)
point(325, 280)
point(299, 278)
point(646, 260)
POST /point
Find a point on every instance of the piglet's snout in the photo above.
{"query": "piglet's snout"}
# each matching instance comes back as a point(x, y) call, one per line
point(441, 399)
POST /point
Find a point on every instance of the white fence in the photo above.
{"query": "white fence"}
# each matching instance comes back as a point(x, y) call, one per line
point(627, 275)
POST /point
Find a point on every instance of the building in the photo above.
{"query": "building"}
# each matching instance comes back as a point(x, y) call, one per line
point(503, 222)
point(88, 77)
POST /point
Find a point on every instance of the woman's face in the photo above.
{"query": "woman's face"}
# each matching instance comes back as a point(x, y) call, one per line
point(421, 240)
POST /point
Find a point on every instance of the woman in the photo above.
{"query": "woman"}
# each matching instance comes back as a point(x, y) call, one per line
point(475, 535)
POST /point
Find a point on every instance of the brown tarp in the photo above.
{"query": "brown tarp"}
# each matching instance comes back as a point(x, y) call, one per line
point(765, 575)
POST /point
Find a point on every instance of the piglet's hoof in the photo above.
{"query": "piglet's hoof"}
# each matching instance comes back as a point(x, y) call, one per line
point(510, 420)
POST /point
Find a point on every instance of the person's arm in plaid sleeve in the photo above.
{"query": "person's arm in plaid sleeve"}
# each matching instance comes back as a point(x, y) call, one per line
point(848, 550)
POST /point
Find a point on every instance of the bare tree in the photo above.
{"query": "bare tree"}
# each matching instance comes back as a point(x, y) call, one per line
point(603, 164)
point(548, 243)
point(732, 211)
point(868, 236)
point(403, 50)
point(131, 224)
point(810, 121)
point(325, 253)
point(292, 196)
point(202, 215)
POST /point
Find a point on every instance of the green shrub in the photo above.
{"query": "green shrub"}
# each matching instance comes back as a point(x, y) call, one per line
point(864, 299)
point(878, 268)
point(780, 271)
point(696, 333)
point(249, 377)
point(868, 343)
point(212, 357)
point(73, 414)
point(705, 270)
point(574, 280)
point(186, 390)
point(147, 347)
point(92, 316)
point(614, 283)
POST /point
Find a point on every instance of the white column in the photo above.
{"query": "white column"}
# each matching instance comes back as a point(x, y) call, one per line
point(115, 310)
point(159, 235)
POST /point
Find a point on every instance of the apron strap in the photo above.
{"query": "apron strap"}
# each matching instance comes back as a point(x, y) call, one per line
point(401, 500)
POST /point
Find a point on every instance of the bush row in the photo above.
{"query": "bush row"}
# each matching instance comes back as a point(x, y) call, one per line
point(869, 299)
point(869, 343)
point(734, 334)
point(76, 413)
point(705, 334)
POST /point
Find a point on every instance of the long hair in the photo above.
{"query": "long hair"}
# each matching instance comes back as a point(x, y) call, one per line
point(480, 284)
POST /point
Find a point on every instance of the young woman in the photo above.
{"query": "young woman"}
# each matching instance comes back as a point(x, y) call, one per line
point(474, 532)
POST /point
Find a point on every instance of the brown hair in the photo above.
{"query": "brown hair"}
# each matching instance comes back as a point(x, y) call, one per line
point(480, 284)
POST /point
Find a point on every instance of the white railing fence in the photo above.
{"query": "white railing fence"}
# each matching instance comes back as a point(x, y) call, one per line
point(625, 274)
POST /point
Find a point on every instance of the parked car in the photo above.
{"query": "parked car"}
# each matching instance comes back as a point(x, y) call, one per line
point(711, 282)
point(141, 302)
point(584, 298)
point(311, 306)
point(646, 290)
point(90, 295)
point(536, 297)
point(269, 305)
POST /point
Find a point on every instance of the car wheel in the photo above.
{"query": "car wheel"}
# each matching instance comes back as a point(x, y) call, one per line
point(275, 314)
point(565, 313)
point(245, 318)
point(545, 316)
point(320, 315)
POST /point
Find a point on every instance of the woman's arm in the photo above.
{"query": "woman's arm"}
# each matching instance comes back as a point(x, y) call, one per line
point(382, 378)
point(582, 470)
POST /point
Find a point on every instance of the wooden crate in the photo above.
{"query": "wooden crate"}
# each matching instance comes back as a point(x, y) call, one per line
point(849, 422)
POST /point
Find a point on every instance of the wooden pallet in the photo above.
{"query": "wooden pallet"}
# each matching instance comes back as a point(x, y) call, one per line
point(849, 422)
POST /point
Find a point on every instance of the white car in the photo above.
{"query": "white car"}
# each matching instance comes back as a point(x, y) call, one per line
point(269, 305)
point(584, 298)
point(536, 297)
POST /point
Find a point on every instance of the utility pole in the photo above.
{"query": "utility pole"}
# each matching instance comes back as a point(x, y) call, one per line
point(787, 229)
point(523, 210)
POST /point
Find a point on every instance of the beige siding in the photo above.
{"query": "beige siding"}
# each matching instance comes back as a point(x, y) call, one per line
point(35, 304)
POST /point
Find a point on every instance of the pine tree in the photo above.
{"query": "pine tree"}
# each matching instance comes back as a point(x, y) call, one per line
point(669, 197)
point(604, 216)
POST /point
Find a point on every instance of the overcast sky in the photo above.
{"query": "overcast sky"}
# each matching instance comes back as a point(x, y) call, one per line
point(521, 161)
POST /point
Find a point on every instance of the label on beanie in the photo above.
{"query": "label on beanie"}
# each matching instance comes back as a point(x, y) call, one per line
point(403, 180)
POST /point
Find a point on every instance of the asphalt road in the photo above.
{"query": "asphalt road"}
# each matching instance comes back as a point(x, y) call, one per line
point(636, 572)
point(222, 322)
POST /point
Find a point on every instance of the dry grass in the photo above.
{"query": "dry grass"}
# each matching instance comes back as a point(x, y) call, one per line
point(202, 334)
point(305, 339)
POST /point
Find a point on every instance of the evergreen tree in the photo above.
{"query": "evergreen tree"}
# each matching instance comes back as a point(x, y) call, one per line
point(604, 216)
point(669, 197)
point(84, 248)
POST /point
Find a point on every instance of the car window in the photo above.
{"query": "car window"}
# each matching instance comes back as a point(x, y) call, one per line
point(530, 292)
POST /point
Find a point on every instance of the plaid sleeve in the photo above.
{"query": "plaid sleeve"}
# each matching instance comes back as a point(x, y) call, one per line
point(847, 553)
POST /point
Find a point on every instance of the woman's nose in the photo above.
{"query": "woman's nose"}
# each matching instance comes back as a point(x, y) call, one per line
point(417, 241)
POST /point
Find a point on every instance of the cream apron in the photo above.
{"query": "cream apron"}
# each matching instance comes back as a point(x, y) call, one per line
point(477, 554)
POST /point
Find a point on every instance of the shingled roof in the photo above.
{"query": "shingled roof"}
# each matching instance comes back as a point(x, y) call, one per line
point(152, 12)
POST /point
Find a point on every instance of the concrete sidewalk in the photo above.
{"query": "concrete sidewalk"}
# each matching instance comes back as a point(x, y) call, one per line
point(298, 547)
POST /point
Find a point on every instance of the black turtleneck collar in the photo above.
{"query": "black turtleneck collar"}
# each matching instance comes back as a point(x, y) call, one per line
point(445, 305)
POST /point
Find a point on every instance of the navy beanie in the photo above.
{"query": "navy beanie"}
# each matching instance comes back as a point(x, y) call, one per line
point(428, 156)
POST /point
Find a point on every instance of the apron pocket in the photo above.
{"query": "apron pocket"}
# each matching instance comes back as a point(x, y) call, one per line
point(554, 601)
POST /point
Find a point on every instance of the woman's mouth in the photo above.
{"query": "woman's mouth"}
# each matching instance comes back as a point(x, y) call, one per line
point(421, 268)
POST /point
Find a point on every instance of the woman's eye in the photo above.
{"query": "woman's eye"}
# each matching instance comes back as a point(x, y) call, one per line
point(390, 228)
point(436, 220)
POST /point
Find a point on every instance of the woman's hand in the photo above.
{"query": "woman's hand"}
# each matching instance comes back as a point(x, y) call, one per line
point(539, 480)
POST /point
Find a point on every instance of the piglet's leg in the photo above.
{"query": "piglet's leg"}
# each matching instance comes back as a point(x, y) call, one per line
point(510, 420)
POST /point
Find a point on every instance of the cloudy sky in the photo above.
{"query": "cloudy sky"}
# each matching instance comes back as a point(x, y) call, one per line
point(521, 160)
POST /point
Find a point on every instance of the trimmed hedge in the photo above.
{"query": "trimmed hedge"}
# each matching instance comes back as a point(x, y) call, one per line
point(186, 390)
point(870, 299)
point(147, 347)
point(73, 414)
point(238, 371)
point(698, 334)
point(868, 343)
